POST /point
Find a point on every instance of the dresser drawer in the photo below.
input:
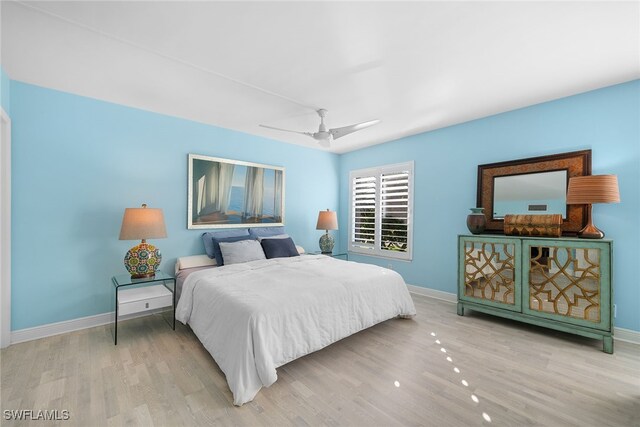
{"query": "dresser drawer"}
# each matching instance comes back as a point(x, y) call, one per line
point(143, 299)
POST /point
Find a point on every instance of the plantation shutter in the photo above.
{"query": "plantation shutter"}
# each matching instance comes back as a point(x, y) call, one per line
point(381, 211)
point(394, 203)
point(363, 211)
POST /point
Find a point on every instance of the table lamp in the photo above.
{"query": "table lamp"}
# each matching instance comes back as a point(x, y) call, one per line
point(142, 223)
point(327, 220)
point(587, 190)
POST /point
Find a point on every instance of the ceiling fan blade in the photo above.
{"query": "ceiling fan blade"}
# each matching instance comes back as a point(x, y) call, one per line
point(346, 130)
point(287, 130)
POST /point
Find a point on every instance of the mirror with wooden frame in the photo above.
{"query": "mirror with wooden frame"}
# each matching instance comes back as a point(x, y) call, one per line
point(537, 185)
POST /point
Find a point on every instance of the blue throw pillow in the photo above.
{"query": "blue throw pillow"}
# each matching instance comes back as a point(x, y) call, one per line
point(279, 248)
point(208, 243)
point(217, 253)
point(265, 231)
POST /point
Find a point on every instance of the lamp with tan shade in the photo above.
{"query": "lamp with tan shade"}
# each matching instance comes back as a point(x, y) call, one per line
point(587, 190)
point(327, 220)
point(142, 223)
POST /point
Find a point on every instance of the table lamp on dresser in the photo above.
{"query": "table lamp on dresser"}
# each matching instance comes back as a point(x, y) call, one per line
point(327, 220)
point(590, 189)
point(142, 223)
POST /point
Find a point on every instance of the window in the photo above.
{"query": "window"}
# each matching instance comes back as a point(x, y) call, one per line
point(381, 210)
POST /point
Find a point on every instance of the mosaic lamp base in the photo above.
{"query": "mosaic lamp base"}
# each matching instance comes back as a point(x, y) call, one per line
point(142, 260)
point(326, 243)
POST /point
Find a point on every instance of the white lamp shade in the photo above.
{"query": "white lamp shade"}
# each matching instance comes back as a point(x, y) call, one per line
point(327, 220)
point(142, 223)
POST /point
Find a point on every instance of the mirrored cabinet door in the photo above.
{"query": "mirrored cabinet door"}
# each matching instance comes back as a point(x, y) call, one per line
point(488, 271)
point(568, 281)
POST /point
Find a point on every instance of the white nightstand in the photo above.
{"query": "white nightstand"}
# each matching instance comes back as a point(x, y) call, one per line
point(143, 298)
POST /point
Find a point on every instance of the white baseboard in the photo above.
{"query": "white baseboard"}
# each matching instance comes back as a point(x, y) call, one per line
point(433, 293)
point(37, 332)
point(626, 335)
point(619, 334)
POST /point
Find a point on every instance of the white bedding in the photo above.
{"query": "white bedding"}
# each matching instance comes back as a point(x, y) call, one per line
point(257, 316)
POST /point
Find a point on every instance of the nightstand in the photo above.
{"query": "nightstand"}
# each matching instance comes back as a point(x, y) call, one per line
point(145, 294)
point(336, 255)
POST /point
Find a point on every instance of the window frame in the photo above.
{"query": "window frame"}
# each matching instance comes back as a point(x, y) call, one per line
point(377, 172)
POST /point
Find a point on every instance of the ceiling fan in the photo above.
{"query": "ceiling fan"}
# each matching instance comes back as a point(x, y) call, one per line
point(324, 136)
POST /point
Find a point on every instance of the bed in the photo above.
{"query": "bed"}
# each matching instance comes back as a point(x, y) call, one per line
point(256, 316)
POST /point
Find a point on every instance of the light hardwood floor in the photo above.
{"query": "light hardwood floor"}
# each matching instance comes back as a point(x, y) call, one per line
point(394, 373)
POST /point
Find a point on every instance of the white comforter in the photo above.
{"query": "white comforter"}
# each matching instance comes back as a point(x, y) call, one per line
point(257, 316)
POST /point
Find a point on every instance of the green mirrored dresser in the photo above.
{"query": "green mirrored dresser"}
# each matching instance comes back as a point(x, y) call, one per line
point(559, 283)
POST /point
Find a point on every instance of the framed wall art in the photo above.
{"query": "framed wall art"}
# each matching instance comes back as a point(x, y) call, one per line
point(227, 193)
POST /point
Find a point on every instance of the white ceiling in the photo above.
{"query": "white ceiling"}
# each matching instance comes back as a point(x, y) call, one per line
point(417, 66)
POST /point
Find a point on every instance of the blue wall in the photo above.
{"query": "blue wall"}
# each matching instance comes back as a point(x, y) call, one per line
point(78, 162)
point(606, 121)
point(5, 91)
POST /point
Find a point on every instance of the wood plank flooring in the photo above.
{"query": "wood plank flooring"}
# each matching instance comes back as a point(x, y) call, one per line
point(395, 373)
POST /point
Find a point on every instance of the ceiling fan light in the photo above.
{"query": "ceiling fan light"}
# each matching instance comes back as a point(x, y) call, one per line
point(325, 142)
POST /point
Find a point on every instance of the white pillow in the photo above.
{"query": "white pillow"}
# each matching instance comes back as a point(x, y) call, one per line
point(194, 261)
point(242, 251)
